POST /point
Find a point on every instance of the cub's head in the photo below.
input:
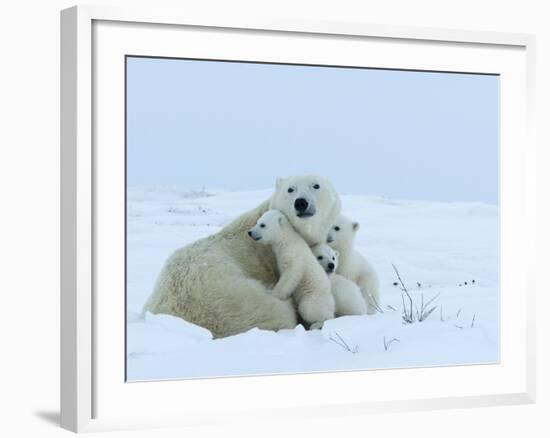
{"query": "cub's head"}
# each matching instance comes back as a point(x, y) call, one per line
point(269, 227)
point(342, 233)
point(310, 203)
point(326, 256)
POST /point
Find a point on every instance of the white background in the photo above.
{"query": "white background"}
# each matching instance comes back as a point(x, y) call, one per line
point(29, 228)
point(114, 398)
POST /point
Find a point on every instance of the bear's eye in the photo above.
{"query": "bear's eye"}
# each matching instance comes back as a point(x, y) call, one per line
point(320, 258)
point(336, 228)
point(333, 258)
point(262, 225)
point(290, 190)
point(316, 186)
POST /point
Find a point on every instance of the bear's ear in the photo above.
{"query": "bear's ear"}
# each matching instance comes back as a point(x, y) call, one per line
point(279, 182)
point(355, 226)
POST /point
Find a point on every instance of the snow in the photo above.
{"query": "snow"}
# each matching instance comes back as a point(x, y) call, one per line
point(437, 248)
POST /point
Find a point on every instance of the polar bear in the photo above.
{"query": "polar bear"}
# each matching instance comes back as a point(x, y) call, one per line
point(222, 282)
point(353, 265)
point(348, 299)
point(301, 277)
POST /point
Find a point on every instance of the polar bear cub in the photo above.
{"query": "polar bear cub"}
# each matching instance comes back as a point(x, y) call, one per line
point(353, 265)
point(348, 299)
point(301, 277)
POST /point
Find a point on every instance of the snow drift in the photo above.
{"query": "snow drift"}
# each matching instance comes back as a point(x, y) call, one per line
point(445, 251)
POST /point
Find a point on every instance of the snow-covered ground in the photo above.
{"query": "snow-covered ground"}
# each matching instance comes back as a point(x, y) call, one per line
point(450, 249)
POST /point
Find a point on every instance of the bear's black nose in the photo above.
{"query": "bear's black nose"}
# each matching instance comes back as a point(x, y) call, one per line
point(300, 205)
point(331, 266)
point(250, 233)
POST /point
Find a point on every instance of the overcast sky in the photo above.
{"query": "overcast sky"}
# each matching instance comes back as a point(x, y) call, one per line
point(237, 126)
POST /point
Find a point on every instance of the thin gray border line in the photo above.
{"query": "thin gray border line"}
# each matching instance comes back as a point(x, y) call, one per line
point(297, 64)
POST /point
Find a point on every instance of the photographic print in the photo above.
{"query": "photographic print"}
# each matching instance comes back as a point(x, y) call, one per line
point(285, 218)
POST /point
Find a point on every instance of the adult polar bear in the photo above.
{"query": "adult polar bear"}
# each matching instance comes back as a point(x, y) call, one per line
point(222, 282)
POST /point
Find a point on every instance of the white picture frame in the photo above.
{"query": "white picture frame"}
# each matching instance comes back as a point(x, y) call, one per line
point(94, 395)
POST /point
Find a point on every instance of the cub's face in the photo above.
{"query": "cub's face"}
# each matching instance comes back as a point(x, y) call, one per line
point(326, 256)
point(310, 203)
point(342, 233)
point(269, 227)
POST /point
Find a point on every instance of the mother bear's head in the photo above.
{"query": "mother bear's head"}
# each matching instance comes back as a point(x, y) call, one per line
point(310, 203)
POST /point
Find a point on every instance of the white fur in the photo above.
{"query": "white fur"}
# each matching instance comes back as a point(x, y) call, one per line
point(347, 295)
point(301, 277)
point(352, 265)
point(222, 282)
point(324, 201)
